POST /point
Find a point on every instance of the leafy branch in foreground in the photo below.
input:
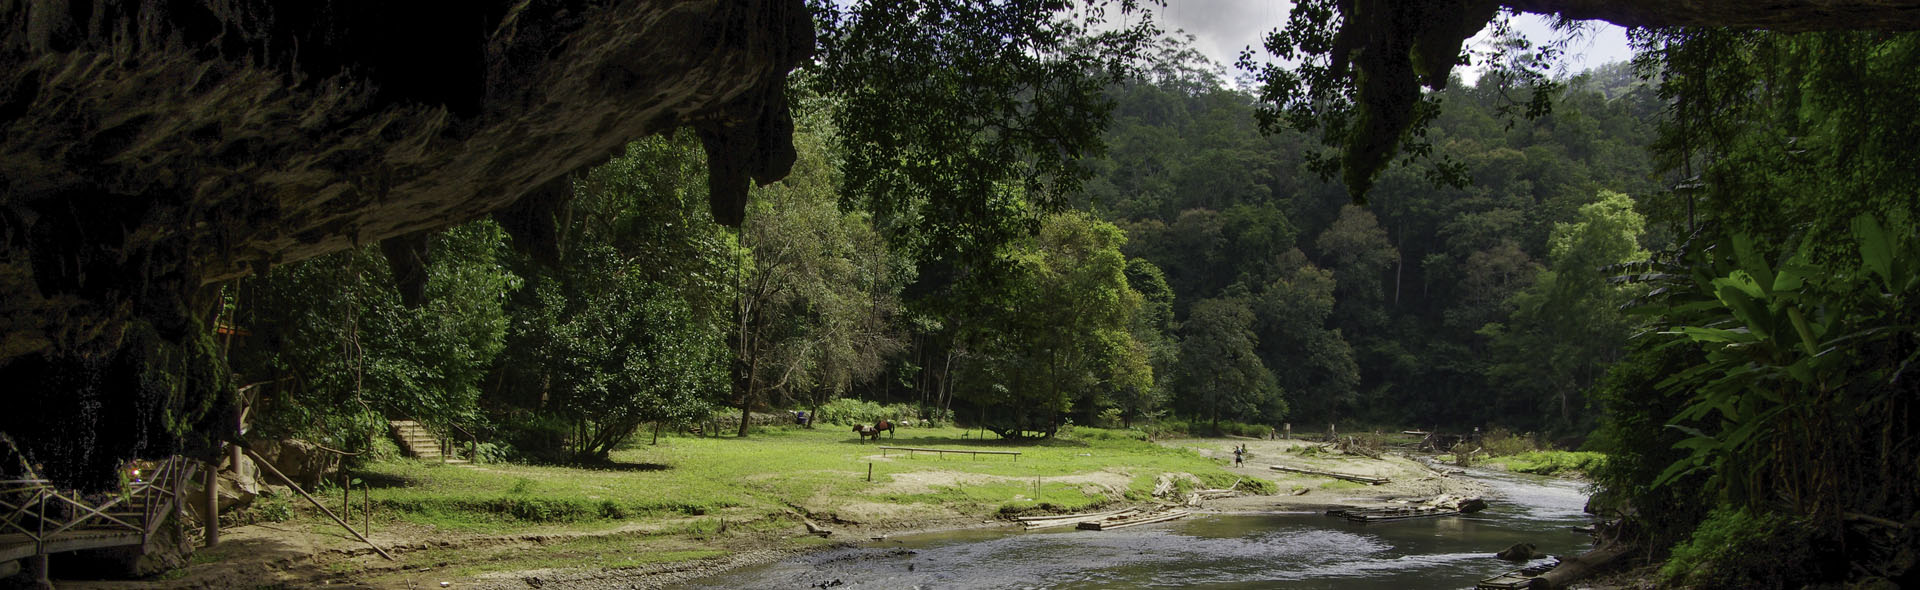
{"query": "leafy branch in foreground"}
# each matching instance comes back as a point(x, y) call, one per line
point(1805, 403)
point(964, 121)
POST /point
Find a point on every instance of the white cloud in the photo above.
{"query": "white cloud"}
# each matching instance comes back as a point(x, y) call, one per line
point(1221, 28)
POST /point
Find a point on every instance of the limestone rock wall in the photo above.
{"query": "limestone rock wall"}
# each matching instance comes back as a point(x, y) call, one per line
point(151, 147)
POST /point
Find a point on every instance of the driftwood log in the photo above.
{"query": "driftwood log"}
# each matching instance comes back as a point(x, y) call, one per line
point(1583, 566)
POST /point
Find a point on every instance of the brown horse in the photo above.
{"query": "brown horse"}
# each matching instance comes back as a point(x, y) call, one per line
point(874, 431)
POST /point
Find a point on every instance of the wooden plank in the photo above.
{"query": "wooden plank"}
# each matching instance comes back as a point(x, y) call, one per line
point(1386, 514)
point(1527, 577)
point(1048, 524)
point(1366, 479)
point(1081, 515)
point(1124, 523)
point(947, 450)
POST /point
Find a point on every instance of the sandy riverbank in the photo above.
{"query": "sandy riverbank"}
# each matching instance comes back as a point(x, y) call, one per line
point(1409, 479)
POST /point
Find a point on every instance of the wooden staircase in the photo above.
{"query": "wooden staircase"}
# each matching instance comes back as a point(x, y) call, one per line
point(420, 443)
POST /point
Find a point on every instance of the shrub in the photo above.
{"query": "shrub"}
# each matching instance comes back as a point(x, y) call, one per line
point(1109, 434)
point(847, 412)
point(1556, 462)
point(1739, 549)
point(1499, 442)
point(1249, 430)
point(1165, 428)
point(379, 449)
point(487, 452)
point(274, 510)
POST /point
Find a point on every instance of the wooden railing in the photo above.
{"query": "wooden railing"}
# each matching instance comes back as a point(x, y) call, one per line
point(35, 508)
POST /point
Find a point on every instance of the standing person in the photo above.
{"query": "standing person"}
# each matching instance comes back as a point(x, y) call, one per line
point(1238, 453)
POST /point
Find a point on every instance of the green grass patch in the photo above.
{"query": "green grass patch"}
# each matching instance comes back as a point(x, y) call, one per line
point(1559, 463)
point(771, 471)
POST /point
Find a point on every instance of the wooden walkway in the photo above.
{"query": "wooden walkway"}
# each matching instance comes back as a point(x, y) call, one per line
point(21, 546)
point(37, 519)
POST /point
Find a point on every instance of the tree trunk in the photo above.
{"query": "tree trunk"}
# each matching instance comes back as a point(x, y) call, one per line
point(1399, 265)
point(746, 413)
point(1583, 566)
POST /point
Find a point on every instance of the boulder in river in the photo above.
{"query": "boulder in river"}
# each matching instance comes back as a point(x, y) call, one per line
point(1519, 552)
point(1463, 504)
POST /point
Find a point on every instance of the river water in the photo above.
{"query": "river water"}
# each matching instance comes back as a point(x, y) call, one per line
point(1218, 551)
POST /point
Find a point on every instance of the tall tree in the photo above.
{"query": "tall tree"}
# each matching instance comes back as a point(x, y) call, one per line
point(1153, 331)
point(1057, 337)
point(1568, 327)
point(1310, 359)
point(625, 328)
point(1220, 374)
point(819, 289)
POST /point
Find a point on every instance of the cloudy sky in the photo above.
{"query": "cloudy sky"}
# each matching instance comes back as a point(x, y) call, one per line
point(1221, 28)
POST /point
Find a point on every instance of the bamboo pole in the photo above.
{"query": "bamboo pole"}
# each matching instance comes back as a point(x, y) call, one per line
point(213, 503)
point(316, 503)
point(1369, 480)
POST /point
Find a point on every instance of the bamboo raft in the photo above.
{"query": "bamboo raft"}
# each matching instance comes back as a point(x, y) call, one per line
point(1516, 579)
point(1034, 523)
point(1387, 514)
point(1121, 523)
point(1366, 479)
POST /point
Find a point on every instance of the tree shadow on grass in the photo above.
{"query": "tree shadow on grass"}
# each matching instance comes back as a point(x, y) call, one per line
point(383, 480)
point(989, 441)
point(611, 465)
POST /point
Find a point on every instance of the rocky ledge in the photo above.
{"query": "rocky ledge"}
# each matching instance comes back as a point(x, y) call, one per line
point(148, 149)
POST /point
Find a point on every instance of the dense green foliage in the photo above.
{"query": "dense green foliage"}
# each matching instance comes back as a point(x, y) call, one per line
point(628, 327)
point(1396, 312)
point(1056, 337)
point(334, 353)
point(1766, 432)
point(819, 290)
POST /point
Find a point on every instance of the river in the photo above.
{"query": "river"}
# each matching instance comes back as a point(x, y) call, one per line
point(1215, 551)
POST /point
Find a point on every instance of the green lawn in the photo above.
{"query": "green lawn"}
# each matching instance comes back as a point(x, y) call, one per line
point(760, 477)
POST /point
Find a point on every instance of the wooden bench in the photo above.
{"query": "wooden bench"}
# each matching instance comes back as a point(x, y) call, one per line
point(943, 452)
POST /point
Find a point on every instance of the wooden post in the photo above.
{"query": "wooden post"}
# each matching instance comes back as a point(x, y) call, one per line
point(212, 515)
point(239, 428)
point(1289, 427)
point(869, 471)
point(366, 491)
point(180, 499)
point(316, 504)
point(40, 581)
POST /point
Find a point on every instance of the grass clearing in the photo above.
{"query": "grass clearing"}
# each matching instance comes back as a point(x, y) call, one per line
point(760, 477)
point(693, 498)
